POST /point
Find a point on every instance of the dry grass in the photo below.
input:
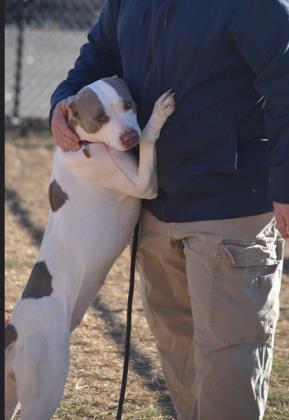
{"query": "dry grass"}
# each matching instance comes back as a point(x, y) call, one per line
point(93, 384)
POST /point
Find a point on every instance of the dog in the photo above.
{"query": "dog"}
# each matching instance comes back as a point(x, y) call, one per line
point(95, 200)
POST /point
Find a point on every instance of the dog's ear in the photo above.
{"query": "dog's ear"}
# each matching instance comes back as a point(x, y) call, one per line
point(71, 104)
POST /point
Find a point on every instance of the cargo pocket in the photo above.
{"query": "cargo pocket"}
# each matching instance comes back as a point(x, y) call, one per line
point(245, 290)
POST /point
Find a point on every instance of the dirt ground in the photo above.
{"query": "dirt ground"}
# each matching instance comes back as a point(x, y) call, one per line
point(92, 387)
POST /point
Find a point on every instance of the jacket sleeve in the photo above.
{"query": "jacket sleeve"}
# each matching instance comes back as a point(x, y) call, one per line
point(98, 58)
point(261, 33)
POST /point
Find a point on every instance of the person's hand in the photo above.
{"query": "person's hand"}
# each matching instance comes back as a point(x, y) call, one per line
point(64, 137)
point(282, 218)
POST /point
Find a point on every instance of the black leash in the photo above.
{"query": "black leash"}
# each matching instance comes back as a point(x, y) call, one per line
point(128, 322)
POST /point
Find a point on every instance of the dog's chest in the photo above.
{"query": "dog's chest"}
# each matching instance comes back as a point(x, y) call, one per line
point(85, 213)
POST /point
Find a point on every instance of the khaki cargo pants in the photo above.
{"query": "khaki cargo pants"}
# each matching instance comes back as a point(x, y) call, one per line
point(210, 292)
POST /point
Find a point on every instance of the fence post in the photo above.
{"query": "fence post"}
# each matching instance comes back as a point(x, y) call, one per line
point(20, 20)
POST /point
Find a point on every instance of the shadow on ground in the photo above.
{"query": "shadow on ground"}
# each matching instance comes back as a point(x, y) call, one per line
point(141, 364)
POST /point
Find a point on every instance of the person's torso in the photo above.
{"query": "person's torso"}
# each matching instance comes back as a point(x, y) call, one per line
point(217, 130)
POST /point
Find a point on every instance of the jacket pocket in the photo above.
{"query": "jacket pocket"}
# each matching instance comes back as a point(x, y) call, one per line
point(245, 290)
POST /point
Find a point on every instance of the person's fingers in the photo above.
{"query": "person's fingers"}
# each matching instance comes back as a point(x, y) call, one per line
point(64, 136)
point(65, 142)
point(59, 134)
point(287, 223)
point(281, 211)
point(61, 139)
point(63, 105)
point(62, 124)
point(59, 123)
point(282, 226)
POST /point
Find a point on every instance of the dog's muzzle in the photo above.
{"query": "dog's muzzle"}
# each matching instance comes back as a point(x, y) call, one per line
point(129, 138)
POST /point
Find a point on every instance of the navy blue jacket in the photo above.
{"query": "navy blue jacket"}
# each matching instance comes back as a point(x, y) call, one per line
point(224, 153)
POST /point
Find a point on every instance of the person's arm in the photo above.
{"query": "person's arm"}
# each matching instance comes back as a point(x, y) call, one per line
point(261, 33)
point(98, 58)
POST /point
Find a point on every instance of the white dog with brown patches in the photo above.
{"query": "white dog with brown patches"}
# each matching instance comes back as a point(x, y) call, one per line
point(94, 197)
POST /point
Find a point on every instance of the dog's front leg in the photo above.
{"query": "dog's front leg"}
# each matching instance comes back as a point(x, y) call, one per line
point(147, 175)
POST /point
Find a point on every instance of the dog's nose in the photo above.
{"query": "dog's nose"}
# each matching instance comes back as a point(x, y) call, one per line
point(129, 138)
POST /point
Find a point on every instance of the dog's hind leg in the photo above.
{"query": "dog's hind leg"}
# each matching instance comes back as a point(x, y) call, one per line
point(41, 367)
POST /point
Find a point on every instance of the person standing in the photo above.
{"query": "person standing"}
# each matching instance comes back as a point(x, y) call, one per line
point(211, 244)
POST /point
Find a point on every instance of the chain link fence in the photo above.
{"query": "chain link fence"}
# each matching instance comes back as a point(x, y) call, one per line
point(42, 42)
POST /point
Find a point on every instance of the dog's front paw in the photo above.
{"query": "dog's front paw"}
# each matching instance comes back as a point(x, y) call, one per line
point(163, 108)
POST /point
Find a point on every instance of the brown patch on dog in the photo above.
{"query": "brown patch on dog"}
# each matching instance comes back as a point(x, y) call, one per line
point(87, 111)
point(57, 197)
point(39, 283)
point(10, 335)
point(122, 90)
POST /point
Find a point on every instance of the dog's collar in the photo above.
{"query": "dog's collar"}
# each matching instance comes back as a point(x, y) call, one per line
point(84, 142)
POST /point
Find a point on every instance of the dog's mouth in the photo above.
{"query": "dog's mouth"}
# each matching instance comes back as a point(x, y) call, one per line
point(85, 150)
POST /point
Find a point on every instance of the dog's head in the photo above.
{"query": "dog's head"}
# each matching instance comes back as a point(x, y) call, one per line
point(105, 112)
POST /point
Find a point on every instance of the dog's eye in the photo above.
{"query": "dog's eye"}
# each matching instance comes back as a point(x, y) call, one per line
point(127, 105)
point(75, 114)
